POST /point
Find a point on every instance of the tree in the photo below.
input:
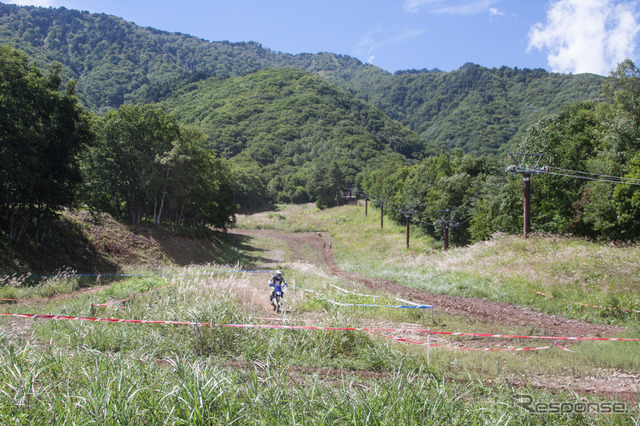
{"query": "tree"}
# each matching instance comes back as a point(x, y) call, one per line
point(42, 131)
point(145, 164)
point(130, 141)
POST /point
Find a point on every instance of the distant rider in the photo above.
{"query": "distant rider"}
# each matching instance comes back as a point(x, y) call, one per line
point(277, 280)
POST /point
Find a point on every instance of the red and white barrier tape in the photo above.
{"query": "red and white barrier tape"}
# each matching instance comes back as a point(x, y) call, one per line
point(301, 327)
point(67, 317)
point(446, 333)
point(587, 305)
point(435, 345)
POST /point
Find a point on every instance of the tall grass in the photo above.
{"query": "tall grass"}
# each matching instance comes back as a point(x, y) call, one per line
point(88, 387)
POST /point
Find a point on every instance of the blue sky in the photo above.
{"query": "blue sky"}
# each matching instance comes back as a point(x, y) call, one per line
point(568, 36)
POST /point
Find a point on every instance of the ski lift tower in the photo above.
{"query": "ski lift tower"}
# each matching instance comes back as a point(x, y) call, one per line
point(526, 164)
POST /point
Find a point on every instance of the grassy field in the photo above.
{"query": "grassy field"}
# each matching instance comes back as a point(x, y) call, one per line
point(80, 372)
point(506, 268)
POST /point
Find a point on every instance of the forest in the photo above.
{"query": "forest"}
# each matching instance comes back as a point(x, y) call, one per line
point(136, 162)
point(166, 128)
point(588, 184)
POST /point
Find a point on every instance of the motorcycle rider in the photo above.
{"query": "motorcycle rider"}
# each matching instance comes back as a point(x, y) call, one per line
point(275, 280)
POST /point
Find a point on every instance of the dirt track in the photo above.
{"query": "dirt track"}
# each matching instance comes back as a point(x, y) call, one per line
point(613, 384)
point(478, 309)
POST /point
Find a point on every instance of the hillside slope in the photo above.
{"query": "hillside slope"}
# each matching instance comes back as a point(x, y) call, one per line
point(116, 61)
point(88, 243)
point(477, 109)
point(288, 125)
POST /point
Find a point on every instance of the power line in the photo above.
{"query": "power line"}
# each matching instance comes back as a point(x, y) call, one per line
point(592, 176)
point(588, 173)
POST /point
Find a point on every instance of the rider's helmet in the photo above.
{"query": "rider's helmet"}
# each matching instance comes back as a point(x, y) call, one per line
point(279, 273)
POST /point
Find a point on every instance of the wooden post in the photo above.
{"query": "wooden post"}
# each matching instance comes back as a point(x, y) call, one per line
point(407, 219)
point(527, 199)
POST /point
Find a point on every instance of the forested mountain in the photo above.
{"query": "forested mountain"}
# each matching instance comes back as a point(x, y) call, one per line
point(291, 128)
point(116, 61)
point(482, 111)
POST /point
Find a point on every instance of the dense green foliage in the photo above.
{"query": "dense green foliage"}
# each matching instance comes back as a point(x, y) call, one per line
point(42, 130)
point(290, 128)
point(598, 139)
point(477, 109)
point(146, 165)
point(143, 164)
point(458, 182)
point(116, 61)
point(480, 110)
point(601, 139)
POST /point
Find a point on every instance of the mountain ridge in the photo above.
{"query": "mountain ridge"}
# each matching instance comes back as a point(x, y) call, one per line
point(474, 108)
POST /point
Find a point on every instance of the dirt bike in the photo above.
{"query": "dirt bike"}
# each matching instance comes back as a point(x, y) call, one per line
point(276, 297)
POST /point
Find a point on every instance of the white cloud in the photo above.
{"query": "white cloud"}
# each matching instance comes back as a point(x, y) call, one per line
point(380, 39)
point(449, 7)
point(495, 12)
point(587, 35)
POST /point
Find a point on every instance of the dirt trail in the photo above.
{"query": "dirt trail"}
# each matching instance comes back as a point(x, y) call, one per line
point(615, 384)
point(308, 246)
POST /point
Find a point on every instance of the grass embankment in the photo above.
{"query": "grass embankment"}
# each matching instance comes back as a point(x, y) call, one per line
point(96, 243)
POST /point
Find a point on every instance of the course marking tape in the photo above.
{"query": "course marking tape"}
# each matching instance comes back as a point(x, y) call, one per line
point(381, 306)
point(67, 317)
point(301, 327)
point(408, 302)
point(416, 342)
point(352, 292)
point(445, 333)
point(413, 305)
point(151, 276)
point(305, 289)
point(584, 304)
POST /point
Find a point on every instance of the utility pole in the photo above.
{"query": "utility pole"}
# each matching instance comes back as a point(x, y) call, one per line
point(526, 164)
point(446, 221)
